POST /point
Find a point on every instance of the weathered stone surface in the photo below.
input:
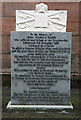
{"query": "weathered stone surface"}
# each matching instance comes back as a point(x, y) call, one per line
point(40, 68)
point(41, 19)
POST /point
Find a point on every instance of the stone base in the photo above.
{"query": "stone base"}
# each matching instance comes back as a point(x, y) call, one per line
point(9, 106)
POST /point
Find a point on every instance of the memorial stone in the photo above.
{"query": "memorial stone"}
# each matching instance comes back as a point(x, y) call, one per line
point(40, 68)
point(40, 59)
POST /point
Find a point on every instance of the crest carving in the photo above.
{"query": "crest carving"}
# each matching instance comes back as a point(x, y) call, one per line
point(41, 19)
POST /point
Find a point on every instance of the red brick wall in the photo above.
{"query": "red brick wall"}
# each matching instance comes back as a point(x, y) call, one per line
point(9, 24)
point(80, 38)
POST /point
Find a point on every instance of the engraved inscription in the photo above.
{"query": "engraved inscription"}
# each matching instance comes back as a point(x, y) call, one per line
point(40, 67)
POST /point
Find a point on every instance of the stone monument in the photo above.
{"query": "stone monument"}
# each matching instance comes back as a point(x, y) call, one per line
point(41, 19)
point(40, 59)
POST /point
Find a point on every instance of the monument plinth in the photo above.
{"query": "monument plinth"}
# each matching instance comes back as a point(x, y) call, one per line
point(40, 60)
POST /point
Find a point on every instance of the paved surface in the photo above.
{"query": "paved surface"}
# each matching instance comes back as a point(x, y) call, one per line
point(41, 113)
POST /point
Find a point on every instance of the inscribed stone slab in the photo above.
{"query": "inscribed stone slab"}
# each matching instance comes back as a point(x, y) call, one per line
point(40, 68)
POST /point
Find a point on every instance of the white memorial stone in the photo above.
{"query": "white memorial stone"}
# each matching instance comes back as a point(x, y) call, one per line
point(41, 19)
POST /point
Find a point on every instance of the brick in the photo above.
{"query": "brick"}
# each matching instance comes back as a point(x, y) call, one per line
point(8, 24)
point(80, 45)
point(0, 26)
point(3, 9)
point(80, 28)
point(9, 45)
point(80, 64)
point(0, 44)
point(73, 27)
point(0, 9)
point(80, 17)
point(6, 60)
point(75, 45)
point(6, 47)
point(75, 63)
point(5, 44)
point(11, 7)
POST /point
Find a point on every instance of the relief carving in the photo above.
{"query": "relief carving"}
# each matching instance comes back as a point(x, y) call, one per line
point(41, 19)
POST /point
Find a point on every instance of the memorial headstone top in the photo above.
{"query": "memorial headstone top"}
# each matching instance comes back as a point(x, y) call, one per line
point(41, 19)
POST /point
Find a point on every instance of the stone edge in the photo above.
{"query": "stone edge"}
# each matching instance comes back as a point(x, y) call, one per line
point(9, 106)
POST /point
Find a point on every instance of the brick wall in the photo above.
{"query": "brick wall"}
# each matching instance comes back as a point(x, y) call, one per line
point(9, 24)
point(80, 39)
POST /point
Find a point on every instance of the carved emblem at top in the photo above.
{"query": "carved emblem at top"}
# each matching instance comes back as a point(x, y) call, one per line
point(41, 19)
point(41, 8)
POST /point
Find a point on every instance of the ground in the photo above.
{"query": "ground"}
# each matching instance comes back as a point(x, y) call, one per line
point(41, 113)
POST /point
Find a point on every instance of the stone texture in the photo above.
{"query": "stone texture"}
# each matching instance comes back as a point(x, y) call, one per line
point(40, 68)
point(10, 106)
point(41, 19)
point(75, 51)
